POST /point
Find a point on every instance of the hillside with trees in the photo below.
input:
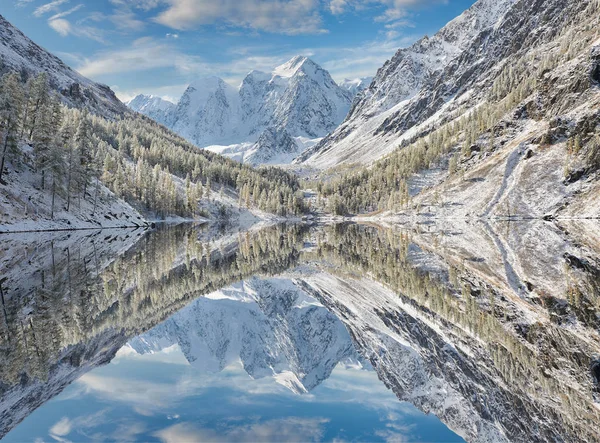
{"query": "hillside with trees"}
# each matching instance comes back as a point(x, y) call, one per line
point(517, 137)
point(70, 157)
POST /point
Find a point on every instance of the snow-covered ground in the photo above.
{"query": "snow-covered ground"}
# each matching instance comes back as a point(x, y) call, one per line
point(24, 206)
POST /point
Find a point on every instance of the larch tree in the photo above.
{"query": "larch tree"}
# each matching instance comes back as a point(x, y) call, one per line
point(11, 104)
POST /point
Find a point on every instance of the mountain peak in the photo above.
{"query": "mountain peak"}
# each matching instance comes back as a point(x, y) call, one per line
point(207, 82)
point(289, 68)
point(146, 98)
point(356, 85)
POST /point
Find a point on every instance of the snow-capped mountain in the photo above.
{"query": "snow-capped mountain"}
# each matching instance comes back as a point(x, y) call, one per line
point(420, 84)
point(357, 85)
point(298, 99)
point(154, 107)
point(18, 53)
point(277, 331)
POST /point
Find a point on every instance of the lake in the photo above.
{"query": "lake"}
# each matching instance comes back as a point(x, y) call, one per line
point(448, 331)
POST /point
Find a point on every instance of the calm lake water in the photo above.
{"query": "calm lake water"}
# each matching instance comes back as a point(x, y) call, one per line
point(462, 331)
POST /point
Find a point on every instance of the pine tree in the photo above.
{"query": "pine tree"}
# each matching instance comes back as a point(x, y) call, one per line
point(56, 160)
point(84, 149)
point(11, 104)
point(39, 94)
point(66, 137)
point(207, 188)
point(43, 133)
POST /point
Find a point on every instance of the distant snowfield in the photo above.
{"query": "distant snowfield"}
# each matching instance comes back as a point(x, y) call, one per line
point(245, 152)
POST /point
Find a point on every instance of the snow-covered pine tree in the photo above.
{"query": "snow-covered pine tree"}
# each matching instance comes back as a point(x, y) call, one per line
point(39, 94)
point(56, 164)
point(11, 105)
point(84, 152)
point(43, 133)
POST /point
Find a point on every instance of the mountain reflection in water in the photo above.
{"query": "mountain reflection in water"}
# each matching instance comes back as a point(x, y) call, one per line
point(480, 331)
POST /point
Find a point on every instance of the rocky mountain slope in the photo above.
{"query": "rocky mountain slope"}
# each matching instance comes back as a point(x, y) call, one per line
point(18, 53)
point(298, 100)
point(445, 77)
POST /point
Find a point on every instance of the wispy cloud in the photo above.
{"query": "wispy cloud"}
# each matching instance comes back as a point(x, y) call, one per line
point(62, 26)
point(48, 7)
point(22, 3)
point(145, 5)
point(291, 429)
point(144, 54)
point(61, 429)
point(66, 13)
point(392, 11)
point(65, 28)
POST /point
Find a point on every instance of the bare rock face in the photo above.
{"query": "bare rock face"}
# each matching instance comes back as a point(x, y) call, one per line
point(595, 65)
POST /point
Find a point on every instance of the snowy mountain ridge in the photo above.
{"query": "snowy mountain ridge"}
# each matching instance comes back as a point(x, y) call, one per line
point(356, 85)
point(299, 99)
point(417, 77)
point(19, 54)
point(154, 107)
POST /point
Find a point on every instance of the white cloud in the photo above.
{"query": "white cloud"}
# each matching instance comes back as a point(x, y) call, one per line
point(145, 54)
point(66, 13)
point(145, 5)
point(280, 16)
point(65, 425)
point(62, 26)
point(22, 3)
point(292, 429)
point(48, 7)
point(338, 7)
point(65, 28)
point(62, 427)
point(126, 20)
point(393, 10)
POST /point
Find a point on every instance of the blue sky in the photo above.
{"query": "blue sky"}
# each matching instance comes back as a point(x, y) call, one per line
point(161, 397)
point(159, 46)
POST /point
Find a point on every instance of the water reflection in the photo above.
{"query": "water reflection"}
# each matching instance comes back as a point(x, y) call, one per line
point(492, 328)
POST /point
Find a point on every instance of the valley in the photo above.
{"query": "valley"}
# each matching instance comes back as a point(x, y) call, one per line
point(296, 250)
